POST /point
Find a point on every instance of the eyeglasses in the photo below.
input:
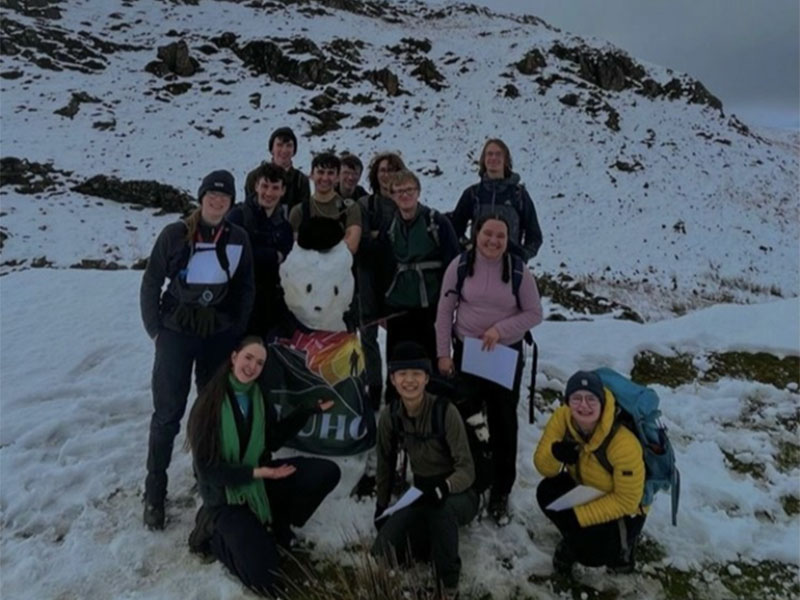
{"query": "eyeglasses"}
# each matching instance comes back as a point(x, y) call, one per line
point(409, 191)
point(589, 399)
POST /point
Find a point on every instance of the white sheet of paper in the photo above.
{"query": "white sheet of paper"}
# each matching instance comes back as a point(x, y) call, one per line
point(406, 499)
point(578, 495)
point(499, 365)
point(204, 268)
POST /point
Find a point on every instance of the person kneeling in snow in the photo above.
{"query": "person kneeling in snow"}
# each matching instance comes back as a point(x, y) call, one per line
point(603, 531)
point(442, 466)
point(249, 500)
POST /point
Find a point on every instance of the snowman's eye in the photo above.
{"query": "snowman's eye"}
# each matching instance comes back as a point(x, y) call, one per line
point(335, 290)
point(308, 288)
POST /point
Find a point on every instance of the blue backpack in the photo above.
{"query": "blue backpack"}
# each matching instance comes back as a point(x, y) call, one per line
point(637, 409)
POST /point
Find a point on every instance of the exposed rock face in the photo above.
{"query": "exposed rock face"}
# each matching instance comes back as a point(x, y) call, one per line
point(574, 296)
point(45, 9)
point(57, 49)
point(29, 177)
point(174, 59)
point(386, 79)
point(531, 63)
point(71, 109)
point(427, 72)
point(150, 194)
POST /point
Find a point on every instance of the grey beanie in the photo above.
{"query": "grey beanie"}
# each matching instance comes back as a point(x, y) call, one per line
point(218, 181)
point(585, 380)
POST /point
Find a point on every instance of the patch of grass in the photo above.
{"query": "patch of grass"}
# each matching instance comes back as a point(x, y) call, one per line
point(577, 590)
point(649, 551)
point(755, 470)
point(791, 505)
point(679, 585)
point(765, 579)
point(758, 366)
point(650, 367)
point(788, 457)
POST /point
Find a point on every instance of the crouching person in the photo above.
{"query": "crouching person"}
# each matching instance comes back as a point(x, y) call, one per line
point(580, 437)
point(442, 467)
point(249, 500)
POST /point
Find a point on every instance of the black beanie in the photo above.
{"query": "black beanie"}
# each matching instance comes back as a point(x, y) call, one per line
point(218, 181)
point(409, 355)
point(283, 132)
point(319, 233)
point(585, 380)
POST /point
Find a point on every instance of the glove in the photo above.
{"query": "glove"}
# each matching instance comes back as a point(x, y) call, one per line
point(565, 451)
point(379, 508)
point(434, 491)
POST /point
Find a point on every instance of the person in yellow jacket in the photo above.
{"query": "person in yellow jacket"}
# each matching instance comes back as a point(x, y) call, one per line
point(603, 531)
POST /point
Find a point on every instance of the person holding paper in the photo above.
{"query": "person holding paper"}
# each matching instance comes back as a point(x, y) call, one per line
point(603, 531)
point(442, 467)
point(485, 305)
point(250, 500)
point(196, 321)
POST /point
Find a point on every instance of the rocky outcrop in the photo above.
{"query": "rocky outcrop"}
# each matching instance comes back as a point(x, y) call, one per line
point(531, 63)
point(30, 177)
point(147, 194)
point(38, 9)
point(71, 109)
point(574, 297)
point(173, 59)
point(385, 79)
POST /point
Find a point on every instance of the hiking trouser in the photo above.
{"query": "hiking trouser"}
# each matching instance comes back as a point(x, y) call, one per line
point(412, 325)
point(501, 415)
point(595, 545)
point(294, 499)
point(176, 354)
point(426, 532)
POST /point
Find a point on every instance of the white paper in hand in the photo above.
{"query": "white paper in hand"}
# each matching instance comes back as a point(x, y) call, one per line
point(499, 365)
point(580, 494)
point(411, 495)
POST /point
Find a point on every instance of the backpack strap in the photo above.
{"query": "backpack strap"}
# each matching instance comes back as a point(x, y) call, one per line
point(461, 275)
point(516, 268)
point(600, 452)
point(433, 226)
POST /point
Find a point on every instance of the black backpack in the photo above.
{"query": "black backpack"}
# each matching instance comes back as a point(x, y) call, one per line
point(517, 267)
point(477, 437)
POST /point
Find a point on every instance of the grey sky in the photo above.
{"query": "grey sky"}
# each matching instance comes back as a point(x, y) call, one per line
point(744, 51)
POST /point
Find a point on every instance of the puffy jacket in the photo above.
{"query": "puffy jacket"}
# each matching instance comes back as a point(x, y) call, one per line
point(623, 489)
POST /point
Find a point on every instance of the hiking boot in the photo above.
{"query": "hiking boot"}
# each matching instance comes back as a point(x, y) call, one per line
point(200, 537)
point(626, 563)
point(563, 559)
point(498, 509)
point(154, 516)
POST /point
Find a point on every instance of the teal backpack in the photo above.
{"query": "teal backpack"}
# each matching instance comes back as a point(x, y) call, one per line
point(637, 409)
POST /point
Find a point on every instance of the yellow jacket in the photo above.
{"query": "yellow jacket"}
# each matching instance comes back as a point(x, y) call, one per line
point(623, 489)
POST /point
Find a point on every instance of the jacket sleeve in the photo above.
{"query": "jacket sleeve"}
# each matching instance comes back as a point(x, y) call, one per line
point(447, 239)
point(625, 455)
point(463, 475)
point(222, 474)
point(531, 313)
point(530, 225)
point(153, 279)
point(285, 239)
point(445, 310)
point(243, 285)
point(384, 451)
point(555, 430)
point(462, 214)
point(280, 431)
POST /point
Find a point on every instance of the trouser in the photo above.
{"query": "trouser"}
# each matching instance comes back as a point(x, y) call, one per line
point(248, 548)
point(268, 308)
point(412, 325)
point(426, 532)
point(596, 545)
point(501, 415)
point(176, 353)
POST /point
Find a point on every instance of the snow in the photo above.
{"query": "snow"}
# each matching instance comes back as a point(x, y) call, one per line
point(75, 362)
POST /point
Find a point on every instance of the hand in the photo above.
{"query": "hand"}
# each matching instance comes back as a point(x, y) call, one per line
point(446, 366)
point(323, 405)
point(490, 338)
point(379, 508)
point(435, 491)
point(280, 472)
point(565, 451)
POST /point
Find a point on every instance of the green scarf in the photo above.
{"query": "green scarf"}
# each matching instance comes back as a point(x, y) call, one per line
point(253, 493)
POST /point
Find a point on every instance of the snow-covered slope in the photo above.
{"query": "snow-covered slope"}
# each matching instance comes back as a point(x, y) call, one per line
point(665, 204)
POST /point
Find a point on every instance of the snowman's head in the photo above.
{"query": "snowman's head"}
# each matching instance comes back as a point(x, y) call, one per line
point(318, 283)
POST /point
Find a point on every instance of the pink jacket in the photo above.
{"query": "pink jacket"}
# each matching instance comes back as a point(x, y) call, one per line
point(485, 302)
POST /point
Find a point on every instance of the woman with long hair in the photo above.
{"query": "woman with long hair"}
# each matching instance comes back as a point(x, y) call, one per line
point(249, 500)
point(479, 300)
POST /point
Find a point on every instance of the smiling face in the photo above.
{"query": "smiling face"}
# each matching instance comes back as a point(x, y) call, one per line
point(269, 193)
point(247, 363)
point(492, 239)
point(410, 383)
point(585, 409)
point(348, 179)
point(494, 159)
point(405, 194)
point(325, 179)
point(214, 206)
point(385, 172)
point(282, 152)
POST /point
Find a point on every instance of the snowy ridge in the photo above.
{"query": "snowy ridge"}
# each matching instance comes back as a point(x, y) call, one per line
point(681, 207)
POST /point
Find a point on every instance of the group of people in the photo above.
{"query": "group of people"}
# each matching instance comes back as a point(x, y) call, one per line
point(432, 280)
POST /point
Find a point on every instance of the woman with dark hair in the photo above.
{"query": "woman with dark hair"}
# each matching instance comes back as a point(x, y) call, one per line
point(500, 192)
point(249, 500)
point(478, 300)
point(195, 321)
